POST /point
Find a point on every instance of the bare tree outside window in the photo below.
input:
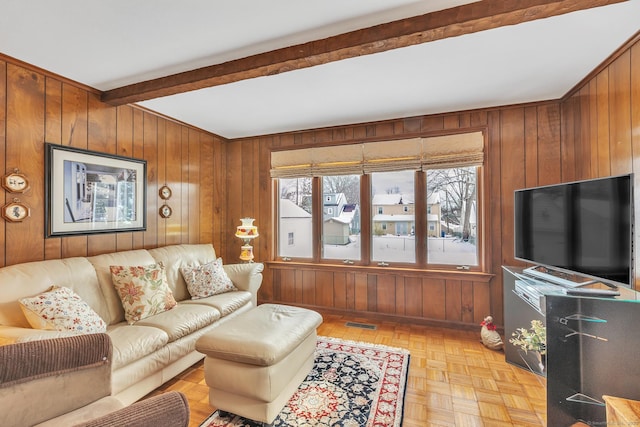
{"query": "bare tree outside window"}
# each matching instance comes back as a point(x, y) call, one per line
point(452, 217)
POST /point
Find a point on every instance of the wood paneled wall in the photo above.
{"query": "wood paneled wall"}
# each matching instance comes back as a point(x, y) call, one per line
point(36, 107)
point(601, 125)
point(593, 132)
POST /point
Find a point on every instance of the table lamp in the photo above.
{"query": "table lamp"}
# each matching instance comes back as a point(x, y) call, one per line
point(246, 232)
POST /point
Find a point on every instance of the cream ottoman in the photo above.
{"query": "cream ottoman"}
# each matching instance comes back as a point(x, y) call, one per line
point(256, 361)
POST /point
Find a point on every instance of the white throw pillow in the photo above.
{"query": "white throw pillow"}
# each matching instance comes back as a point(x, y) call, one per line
point(61, 309)
point(207, 279)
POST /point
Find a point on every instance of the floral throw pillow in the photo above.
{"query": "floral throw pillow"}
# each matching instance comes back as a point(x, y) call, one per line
point(207, 279)
point(143, 290)
point(61, 309)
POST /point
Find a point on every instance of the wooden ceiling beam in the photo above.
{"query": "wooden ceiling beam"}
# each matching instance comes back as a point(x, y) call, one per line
point(457, 21)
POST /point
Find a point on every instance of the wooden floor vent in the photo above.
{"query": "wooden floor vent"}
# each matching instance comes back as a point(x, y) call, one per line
point(360, 325)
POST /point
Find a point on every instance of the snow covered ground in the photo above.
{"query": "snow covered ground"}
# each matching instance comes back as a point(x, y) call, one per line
point(447, 250)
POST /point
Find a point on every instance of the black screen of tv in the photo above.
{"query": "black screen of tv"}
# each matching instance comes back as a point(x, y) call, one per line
point(583, 227)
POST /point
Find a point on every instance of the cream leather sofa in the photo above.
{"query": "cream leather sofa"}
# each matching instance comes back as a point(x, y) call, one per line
point(151, 351)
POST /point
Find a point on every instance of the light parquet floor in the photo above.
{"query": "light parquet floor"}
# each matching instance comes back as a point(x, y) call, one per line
point(454, 381)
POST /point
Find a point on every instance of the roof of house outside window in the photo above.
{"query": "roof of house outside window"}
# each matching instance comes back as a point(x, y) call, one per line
point(394, 218)
point(288, 209)
point(392, 199)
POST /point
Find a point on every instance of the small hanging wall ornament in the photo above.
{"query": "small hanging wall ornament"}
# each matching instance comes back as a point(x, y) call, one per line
point(165, 211)
point(15, 182)
point(165, 192)
point(15, 211)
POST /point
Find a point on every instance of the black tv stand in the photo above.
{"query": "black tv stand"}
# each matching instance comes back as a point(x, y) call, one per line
point(592, 343)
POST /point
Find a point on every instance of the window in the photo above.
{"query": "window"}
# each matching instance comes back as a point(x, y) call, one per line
point(452, 237)
point(341, 225)
point(391, 239)
point(420, 198)
point(295, 216)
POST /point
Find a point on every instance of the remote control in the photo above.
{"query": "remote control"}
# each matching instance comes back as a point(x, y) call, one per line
point(587, 292)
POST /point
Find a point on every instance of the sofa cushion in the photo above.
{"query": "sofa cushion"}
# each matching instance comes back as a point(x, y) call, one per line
point(207, 279)
point(175, 256)
point(182, 320)
point(61, 309)
point(225, 303)
point(143, 290)
point(31, 278)
point(133, 342)
point(101, 264)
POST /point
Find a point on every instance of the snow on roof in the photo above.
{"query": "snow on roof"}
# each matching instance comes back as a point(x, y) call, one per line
point(340, 219)
point(288, 209)
point(392, 199)
point(346, 216)
point(433, 199)
point(394, 218)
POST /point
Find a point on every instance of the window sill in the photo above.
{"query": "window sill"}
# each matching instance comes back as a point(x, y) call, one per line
point(477, 276)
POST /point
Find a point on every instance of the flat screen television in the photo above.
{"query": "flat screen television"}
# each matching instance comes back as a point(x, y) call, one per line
point(583, 227)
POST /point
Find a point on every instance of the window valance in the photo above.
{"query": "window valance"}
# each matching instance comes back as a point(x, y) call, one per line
point(455, 150)
point(450, 151)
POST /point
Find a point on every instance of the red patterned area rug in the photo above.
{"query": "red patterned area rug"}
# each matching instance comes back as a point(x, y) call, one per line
point(352, 384)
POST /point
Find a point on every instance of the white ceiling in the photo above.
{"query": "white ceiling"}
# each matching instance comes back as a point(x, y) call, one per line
point(108, 44)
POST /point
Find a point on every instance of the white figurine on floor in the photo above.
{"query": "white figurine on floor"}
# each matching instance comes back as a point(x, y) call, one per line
point(490, 337)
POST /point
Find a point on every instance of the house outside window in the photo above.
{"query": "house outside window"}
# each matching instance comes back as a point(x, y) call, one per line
point(295, 217)
point(391, 240)
point(341, 224)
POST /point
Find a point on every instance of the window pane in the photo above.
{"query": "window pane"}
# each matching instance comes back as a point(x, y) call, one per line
point(341, 217)
point(452, 218)
point(393, 226)
point(295, 236)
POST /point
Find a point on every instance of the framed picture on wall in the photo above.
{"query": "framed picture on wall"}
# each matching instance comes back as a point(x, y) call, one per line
point(89, 192)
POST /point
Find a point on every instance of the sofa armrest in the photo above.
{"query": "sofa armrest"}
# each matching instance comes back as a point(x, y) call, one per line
point(169, 409)
point(246, 277)
point(33, 374)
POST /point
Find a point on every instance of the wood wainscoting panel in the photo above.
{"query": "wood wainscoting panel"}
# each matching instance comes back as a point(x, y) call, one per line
point(3, 142)
point(424, 297)
point(620, 115)
point(205, 206)
point(52, 134)
point(124, 147)
point(102, 131)
point(155, 175)
point(138, 153)
point(25, 100)
point(386, 286)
